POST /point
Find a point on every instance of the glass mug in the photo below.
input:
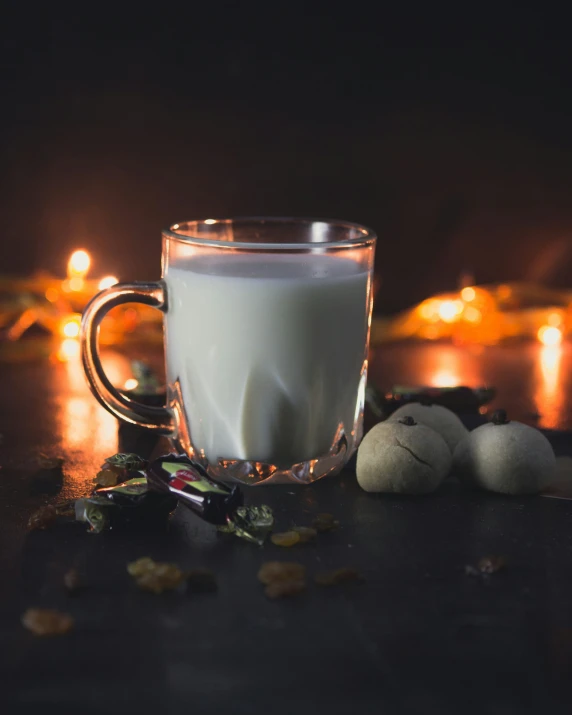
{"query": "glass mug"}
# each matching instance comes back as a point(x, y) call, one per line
point(266, 343)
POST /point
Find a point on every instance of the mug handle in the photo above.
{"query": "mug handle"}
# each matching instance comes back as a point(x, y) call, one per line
point(156, 419)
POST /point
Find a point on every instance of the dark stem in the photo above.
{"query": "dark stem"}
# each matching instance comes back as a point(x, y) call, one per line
point(409, 421)
point(499, 417)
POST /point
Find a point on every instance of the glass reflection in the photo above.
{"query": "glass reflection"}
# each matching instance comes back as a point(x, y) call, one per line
point(549, 394)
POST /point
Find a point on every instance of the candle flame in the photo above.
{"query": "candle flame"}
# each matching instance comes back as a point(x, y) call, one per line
point(130, 384)
point(550, 335)
point(79, 263)
point(449, 310)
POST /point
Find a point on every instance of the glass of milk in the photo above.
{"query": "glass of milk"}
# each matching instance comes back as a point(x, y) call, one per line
point(266, 343)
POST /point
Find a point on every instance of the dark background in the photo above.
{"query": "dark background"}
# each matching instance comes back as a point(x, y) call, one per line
point(447, 129)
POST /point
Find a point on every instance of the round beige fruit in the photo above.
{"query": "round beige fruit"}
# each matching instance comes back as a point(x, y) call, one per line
point(402, 457)
point(439, 418)
point(505, 456)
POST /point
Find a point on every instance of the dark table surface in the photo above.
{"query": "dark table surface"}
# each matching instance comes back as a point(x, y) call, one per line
point(418, 636)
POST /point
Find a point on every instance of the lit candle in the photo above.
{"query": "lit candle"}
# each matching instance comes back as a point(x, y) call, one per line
point(78, 266)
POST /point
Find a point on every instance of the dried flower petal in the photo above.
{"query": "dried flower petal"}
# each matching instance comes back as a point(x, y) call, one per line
point(273, 571)
point(334, 578)
point(47, 622)
point(43, 518)
point(491, 564)
point(283, 589)
point(325, 522)
point(286, 538)
point(306, 533)
point(201, 580)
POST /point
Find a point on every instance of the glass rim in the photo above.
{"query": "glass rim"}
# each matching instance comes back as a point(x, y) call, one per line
point(367, 236)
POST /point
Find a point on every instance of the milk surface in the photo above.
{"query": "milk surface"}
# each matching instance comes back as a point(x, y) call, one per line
point(268, 352)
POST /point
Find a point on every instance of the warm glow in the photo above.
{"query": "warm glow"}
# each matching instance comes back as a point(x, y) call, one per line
point(210, 220)
point(504, 292)
point(71, 328)
point(445, 378)
point(130, 384)
point(76, 283)
point(79, 263)
point(554, 319)
point(468, 294)
point(548, 397)
point(52, 295)
point(427, 310)
point(550, 335)
point(473, 315)
point(449, 310)
point(107, 282)
point(68, 349)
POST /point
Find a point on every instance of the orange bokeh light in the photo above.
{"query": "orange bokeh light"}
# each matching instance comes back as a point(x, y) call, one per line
point(550, 335)
point(468, 294)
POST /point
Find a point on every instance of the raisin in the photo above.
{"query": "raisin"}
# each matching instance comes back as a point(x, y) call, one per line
point(283, 589)
point(306, 533)
point(325, 522)
point(46, 622)
point(286, 538)
point(275, 571)
point(155, 576)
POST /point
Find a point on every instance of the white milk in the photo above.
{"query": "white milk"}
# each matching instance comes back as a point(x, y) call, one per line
point(268, 352)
